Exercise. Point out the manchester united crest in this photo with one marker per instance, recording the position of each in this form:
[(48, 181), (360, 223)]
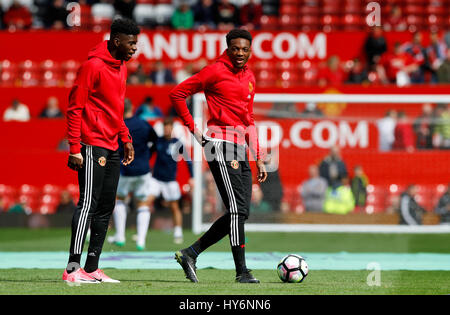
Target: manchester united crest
[(234, 164), (250, 87), (102, 161)]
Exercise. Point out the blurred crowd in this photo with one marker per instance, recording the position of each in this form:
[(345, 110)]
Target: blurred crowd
[(96, 14)]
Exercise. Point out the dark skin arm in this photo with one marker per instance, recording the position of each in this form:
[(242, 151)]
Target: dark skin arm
[(128, 155), (262, 173)]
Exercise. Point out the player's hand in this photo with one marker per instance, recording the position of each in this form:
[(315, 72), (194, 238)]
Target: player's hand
[(75, 161), (128, 151), (262, 173), (199, 137)]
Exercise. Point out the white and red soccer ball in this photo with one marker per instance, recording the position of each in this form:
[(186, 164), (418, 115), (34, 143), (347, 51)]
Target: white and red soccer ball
[(292, 268)]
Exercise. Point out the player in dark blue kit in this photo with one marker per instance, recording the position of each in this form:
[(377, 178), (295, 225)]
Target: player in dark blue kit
[(136, 179), (168, 150)]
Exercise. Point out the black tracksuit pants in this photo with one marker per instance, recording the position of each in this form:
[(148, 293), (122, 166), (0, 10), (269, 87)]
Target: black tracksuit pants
[(230, 167), (97, 180)]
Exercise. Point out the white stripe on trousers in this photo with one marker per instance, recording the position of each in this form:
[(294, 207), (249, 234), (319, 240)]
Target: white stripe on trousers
[(88, 182), (234, 228)]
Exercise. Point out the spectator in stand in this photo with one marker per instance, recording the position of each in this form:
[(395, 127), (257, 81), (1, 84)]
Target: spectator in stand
[(16, 112), (66, 204), (396, 67), (410, 211), (56, 16), (1, 17), (339, 200), (125, 8), (161, 75), (226, 15), (386, 128), (436, 55), (416, 49), (395, 22), (359, 187), (375, 46), (51, 109), (332, 73), (423, 128), (311, 111), (441, 135), (139, 77), (333, 168), (443, 206), (250, 15), (357, 74), (148, 110), (404, 134), (443, 73), (184, 73), (204, 14), (183, 17), (258, 204), (17, 17), (314, 190), (272, 188)]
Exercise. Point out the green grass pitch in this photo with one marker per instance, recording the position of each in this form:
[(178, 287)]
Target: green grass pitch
[(221, 282)]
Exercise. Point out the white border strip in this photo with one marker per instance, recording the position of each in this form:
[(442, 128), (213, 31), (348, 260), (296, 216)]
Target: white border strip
[(344, 228), (354, 98)]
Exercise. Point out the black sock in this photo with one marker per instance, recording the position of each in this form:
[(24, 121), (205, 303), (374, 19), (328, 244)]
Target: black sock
[(91, 262), (216, 232), (239, 258)]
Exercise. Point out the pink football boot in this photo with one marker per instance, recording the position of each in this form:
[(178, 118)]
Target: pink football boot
[(100, 276), (78, 276)]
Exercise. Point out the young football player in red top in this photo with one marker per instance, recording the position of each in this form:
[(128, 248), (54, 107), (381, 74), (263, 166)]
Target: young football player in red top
[(229, 87), (95, 123)]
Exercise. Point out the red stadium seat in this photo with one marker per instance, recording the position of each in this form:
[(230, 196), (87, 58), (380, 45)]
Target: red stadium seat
[(49, 65), (309, 10), (53, 190), (288, 22), (262, 65), (265, 78), (30, 78), (288, 78), (438, 10), (28, 190), (289, 9), (9, 77), (269, 22), (309, 22), (286, 65), (28, 65), (50, 78), (352, 22), (413, 9), (330, 22), (70, 65), (333, 7)]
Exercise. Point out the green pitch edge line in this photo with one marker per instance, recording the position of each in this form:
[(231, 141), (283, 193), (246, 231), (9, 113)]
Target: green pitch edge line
[(224, 260)]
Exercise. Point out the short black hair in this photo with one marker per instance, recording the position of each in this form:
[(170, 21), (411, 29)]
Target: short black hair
[(124, 26), (238, 33)]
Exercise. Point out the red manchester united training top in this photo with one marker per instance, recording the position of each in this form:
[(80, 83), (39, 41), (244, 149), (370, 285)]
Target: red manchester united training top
[(96, 102), (229, 92)]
